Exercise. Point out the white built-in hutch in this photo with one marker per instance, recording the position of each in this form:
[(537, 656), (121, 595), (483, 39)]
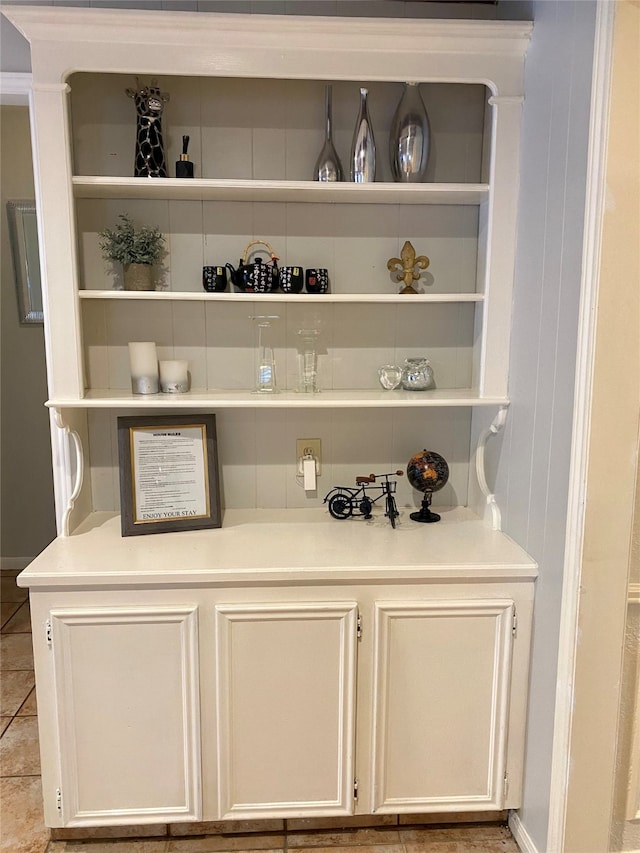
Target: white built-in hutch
[(286, 664)]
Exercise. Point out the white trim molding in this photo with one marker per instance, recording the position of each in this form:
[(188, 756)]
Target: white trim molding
[(78, 479), (594, 212), (522, 837), (492, 515), (15, 88)]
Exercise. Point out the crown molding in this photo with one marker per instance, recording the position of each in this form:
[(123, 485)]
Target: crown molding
[(15, 88)]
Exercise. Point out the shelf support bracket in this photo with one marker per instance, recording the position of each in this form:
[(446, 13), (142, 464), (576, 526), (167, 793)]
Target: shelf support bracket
[(492, 510), (79, 468)]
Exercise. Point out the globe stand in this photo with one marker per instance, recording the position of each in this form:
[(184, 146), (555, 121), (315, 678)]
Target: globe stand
[(425, 515)]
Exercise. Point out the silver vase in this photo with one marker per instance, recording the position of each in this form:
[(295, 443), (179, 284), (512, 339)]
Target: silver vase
[(409, 137), (363, 147), (328, 166)]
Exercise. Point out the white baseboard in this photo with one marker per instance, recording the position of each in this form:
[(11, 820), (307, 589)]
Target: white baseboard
[(522, 837), (14, 563)]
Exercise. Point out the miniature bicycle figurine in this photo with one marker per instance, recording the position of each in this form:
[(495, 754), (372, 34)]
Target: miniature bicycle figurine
[(344, 501)]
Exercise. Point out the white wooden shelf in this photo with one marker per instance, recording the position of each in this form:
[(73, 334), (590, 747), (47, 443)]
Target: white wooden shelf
[(201, 189), (243, 399), (459, 547), (203, 296)]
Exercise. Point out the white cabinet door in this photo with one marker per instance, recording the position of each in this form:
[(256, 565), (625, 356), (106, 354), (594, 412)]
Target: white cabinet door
[(127, 698), (440, 708), (285, 688)]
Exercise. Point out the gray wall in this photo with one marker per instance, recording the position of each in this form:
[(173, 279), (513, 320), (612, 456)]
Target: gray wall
[(533, 467), (27, 521)]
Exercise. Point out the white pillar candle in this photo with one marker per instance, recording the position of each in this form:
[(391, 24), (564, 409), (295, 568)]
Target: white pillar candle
[(174, 376), (143, 361)]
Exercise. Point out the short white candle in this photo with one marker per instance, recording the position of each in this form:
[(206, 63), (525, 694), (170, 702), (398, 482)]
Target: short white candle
[(143, 360), (174, 376)]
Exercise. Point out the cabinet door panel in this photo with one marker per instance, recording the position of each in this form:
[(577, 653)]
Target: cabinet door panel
[(286, 709), (441, 704), (128, 714)]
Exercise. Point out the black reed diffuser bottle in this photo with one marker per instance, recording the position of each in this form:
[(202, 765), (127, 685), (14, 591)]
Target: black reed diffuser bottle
[(184, 166)]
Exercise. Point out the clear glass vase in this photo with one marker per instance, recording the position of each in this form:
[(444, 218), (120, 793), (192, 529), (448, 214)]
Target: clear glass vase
[(266, 362), (309, 361), (410, 137), (363, 146), (328, 166)]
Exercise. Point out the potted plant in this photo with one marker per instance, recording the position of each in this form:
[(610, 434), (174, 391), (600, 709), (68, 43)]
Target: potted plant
[(137, 249)]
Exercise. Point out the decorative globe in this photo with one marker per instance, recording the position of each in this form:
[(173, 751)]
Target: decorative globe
[(427, 472)]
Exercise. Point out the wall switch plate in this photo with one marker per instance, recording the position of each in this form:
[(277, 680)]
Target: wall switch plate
[(312, 444)]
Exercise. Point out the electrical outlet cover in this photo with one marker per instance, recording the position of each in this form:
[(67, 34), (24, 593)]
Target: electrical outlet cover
[(314, 445)]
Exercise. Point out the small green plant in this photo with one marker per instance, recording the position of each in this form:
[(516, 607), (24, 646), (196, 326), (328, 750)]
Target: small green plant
[(129, 245)]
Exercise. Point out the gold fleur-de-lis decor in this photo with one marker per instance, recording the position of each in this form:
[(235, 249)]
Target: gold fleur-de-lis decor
[(406, 264)]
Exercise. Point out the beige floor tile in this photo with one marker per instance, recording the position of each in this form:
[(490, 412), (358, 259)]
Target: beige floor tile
[(224, 844), (56, 847), (140, 845), (29, 708), (7, 609), (14, 689), (23, 827), (473, 832), (20, 622), (362, 848), (226, 827), (348, 838), (4, 723), (19, 754), (10, 591), (146, 830), (16, 652)]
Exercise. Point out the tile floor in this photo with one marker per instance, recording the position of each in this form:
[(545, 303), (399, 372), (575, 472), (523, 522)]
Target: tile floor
[(22, 829)]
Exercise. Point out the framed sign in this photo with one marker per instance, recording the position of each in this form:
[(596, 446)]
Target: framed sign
[(168, 473), (23, 239)]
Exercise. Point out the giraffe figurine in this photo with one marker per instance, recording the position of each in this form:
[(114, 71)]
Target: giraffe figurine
[(150, 160)]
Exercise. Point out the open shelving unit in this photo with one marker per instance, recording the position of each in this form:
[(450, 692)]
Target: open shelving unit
[(255, 119), (388, 665)]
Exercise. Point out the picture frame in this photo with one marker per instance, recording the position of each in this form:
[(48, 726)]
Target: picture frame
[(25, 253), (168, 473)]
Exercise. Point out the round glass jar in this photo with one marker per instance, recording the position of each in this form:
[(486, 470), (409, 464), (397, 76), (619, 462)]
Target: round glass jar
[(417, 375)]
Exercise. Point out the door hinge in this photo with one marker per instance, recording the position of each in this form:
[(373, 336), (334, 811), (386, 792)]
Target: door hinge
[(359, 627), (59, 799), (514, 624), (505, 785), (355, 789), (48, 632)]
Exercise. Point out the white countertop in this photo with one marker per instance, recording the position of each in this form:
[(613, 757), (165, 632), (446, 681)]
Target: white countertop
[(277, 546)]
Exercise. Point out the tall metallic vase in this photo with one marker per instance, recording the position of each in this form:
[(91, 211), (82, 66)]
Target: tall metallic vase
[(328, 166), (410, 137), (363, 147)]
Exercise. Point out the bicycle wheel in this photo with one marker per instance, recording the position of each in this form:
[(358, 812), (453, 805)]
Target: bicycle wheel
[(340, 506), (365, 507), (392, 510)]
